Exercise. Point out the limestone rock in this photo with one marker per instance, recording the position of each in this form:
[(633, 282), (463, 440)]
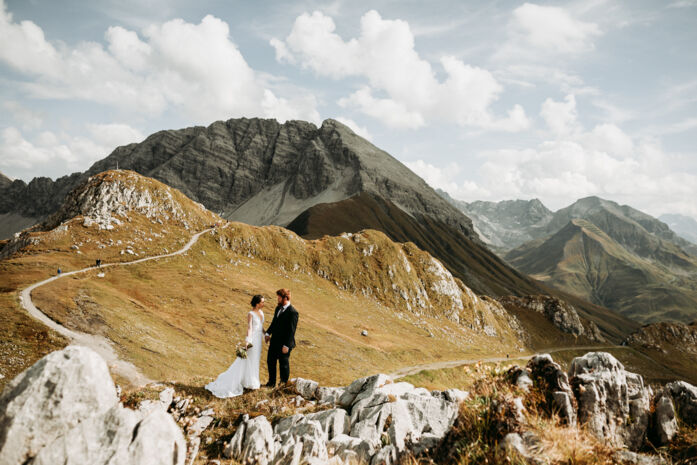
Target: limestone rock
[(612, 402), (555, 384), (50, 398), (306, 388), (685, 399), (665, 424), (330, 395)]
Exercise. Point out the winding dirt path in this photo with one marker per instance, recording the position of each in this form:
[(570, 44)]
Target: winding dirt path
[(99, 344), (402, 372)]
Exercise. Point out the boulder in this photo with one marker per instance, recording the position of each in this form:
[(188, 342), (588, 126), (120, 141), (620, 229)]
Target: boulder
[(64, 409), (554, 383), (333, 422), (50, 398), (329, 395), (385, 456), (362, 388), (685, 400), (348, 448), (665, 425), (256, 442), (613, 403), (306, 388), (625, 457)]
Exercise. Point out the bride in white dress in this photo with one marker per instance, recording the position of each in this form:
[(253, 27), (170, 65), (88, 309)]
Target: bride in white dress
[(244, 372)]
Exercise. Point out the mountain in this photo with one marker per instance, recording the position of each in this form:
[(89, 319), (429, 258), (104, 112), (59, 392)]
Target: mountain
[(626, 269), (684, 226), (507, 224), (640, 233), (257, 171), (4, 180), (176, 316), (262, 172)]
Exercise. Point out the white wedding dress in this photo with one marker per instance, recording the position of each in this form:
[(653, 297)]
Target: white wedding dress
[(244, 372)]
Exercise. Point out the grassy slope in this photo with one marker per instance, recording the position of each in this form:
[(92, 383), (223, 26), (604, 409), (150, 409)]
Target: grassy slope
[(179, 317), (478, 267), (584, 261)]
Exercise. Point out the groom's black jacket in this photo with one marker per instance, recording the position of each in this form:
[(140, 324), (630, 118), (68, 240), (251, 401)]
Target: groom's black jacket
[(282, 328)]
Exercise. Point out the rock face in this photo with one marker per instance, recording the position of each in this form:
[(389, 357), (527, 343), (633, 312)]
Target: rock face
[(64, 409), (560, 313), (374, 421), (612, 402), (256, 171), (505, 225), (544, 371)]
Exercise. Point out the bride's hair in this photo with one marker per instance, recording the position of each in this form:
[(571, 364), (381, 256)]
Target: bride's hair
[(256, 299)]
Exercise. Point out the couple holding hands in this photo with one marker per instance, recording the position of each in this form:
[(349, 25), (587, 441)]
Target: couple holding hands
[(244, 372)]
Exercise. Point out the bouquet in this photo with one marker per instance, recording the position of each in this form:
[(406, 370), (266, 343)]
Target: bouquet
[(242, 349)]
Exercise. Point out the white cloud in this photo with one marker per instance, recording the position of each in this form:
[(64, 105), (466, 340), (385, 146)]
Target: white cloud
[(359, 130), (29, 119), (539, 32), (561, 117), (402, 89), (604, 161), (194, 68), (51, 152)]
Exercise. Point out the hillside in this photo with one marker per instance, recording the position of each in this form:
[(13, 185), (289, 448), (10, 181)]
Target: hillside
[(179, 317), (477, 266), (672, 344), (653, 281)]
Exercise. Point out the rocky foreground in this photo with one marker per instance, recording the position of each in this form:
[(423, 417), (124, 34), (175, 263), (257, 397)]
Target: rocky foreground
[(65, 409)]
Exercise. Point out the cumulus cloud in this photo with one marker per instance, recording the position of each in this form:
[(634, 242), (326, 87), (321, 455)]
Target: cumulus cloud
[(402, 89), (52, 152), (538, 32), (603, 161), (194, 68)]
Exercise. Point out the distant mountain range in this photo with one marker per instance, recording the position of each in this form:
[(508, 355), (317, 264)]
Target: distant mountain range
[(612, 255), (316, 181), (684, 226)]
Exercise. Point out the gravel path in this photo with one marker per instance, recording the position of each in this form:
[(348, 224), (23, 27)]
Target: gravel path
[(99, 344)]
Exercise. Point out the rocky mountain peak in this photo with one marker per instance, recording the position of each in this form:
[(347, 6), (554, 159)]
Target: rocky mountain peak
[(104, 200)]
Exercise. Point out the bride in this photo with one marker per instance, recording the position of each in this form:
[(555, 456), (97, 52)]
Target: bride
[(244, 372)]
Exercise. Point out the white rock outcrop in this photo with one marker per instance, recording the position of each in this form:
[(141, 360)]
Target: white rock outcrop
[(64, 409)]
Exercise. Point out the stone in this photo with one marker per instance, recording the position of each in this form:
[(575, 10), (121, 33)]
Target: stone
[(199, 425), (258, 443), (362, 388), (166, 397), (364, 333), (385, 456), (613, 403), (333, 422), (329, 395), (554, 383), (50, 398), (347, 447), (192, 449), (158, 440), (234, 447), (306, 388), (456, 395), (665, 424), (685, 400)]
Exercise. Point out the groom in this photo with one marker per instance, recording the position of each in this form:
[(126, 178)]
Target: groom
[(281, 332)]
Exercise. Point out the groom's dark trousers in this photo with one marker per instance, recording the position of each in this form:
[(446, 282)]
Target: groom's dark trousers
[(282, 332)]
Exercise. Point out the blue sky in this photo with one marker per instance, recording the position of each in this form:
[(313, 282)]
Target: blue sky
[(487, 100)]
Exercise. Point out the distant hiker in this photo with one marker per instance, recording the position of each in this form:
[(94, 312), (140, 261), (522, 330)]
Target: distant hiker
[(281, 333), (244, 371), (99, 263), (59, 271)]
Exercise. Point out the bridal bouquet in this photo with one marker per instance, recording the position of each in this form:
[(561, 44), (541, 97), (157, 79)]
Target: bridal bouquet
[(242, 349)]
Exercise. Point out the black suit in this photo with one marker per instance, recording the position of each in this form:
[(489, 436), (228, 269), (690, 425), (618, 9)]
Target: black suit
[(282, 331)]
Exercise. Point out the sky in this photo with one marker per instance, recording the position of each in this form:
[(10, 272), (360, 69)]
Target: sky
[(487, 100)]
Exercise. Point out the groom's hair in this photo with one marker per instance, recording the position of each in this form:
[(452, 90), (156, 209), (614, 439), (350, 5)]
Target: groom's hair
[(283, 293)]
